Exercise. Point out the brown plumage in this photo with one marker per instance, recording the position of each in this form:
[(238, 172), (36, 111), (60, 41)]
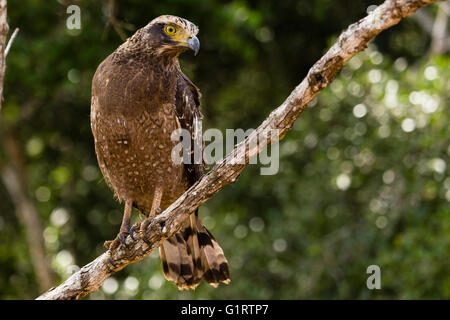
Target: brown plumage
[(139, 97)]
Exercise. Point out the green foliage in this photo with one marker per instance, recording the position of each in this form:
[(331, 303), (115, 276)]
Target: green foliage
[(363, 179)]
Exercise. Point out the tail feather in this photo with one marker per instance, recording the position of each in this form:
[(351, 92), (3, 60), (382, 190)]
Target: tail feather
[(213, 260), (193, 254), (191, 235), (178, 266)]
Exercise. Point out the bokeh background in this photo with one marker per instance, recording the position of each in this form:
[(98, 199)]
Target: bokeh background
[(364, 174)]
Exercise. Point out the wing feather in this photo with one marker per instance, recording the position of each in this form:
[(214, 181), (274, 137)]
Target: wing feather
[(188, 112)]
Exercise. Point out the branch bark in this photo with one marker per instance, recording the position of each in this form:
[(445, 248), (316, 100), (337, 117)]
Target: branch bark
[(353, 40), (4, 28)]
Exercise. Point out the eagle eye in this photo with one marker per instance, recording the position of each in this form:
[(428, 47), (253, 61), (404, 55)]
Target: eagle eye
[(170, 30)]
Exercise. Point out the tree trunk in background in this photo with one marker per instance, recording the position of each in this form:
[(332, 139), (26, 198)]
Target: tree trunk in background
[(436, 27), (13, 176), (3, 33)]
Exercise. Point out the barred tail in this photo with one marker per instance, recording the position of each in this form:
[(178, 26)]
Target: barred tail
[(193, 254)]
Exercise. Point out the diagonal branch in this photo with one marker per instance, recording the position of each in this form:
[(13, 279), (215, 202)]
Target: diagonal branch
[(4, 28), (11, 40), (351, 41)]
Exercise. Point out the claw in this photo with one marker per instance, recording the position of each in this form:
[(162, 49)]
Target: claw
[(111, 245), (122, 238), (133, 229), (145, 240), (107, 244), (143, 227), (110, 260)]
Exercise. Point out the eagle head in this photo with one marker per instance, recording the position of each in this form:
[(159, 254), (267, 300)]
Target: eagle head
[(170, 35)]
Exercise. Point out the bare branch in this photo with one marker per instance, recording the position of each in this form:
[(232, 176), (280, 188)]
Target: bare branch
[(11, 40), (353, 40), (4, 28)]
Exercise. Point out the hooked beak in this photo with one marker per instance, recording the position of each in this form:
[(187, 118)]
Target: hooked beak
[(194, 44)]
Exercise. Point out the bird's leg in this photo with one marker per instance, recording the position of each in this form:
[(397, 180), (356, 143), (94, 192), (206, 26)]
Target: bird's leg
[(124, 228), (156, 202), (155, 205)]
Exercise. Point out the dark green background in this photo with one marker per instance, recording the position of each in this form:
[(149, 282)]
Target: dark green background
[(351, 192)]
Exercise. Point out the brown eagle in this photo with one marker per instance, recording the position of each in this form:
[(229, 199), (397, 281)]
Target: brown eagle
[(139, 97)]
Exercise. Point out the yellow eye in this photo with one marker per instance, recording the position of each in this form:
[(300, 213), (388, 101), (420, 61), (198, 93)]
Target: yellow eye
[(170, 30)]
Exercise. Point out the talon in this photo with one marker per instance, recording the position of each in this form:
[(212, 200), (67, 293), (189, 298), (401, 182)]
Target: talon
[(110, 260), (107, 244), (122, 238), (145, 240), (111, 245), (143, 237), (134, 229)]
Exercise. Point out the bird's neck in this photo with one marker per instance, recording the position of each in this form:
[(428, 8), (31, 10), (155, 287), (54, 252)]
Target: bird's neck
[(131, 51)]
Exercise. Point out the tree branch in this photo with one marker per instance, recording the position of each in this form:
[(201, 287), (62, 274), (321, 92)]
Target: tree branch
[(4, 28), (11, 40), (353, 40)]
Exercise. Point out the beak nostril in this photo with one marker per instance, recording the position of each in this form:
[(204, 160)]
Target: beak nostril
[(194, 44)]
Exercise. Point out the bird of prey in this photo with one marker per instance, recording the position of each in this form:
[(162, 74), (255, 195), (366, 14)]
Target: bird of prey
[(139, 97)]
